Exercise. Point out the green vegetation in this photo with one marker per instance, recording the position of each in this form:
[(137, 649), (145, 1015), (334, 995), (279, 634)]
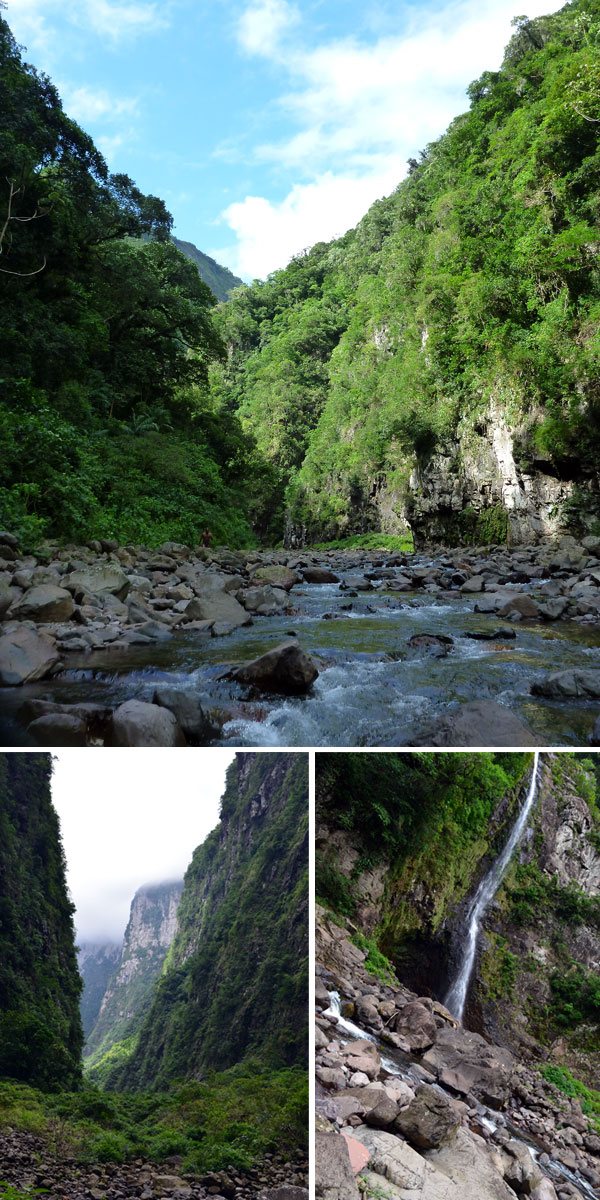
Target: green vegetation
[(402, 544), (220, 280), (473, 288), (427, 816), (532, 894), (566, 1083), (375, 962), (40, 1024), (107, 428), (231, 1119), (242, 938), (575, 996), (498, 968)]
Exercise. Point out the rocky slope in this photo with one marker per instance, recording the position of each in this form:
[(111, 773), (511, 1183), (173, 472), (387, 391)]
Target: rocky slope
[(426, 1107), (97, 963), (234, 983), (150, 931)]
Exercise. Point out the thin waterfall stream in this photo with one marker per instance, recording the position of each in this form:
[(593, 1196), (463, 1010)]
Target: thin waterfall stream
[(457, 995)]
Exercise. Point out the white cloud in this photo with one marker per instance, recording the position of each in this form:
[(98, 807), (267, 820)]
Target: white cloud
[(132, 820), (360, 109), (262, 25), (92, 104), (113, 20)]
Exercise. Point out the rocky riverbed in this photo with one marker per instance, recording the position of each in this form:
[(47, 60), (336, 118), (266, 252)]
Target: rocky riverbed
[(30, 1163), (127, 646), (410, 1103)]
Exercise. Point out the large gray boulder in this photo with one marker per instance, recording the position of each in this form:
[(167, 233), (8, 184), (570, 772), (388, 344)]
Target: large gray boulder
[(59, 729), (429, 1120), (197, 724), (417, 1025), (26, 655), (286, 669), (101, 579), (479, 723), (46, 602), (319, 575), (136, 723), (467, 1162), (266, 601), (579, 684), (464, 1062), (217, 606), (334, 1177), (279, 577)]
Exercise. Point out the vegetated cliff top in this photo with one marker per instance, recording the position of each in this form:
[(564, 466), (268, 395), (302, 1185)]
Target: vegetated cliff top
[(472, 288), (220, 280)]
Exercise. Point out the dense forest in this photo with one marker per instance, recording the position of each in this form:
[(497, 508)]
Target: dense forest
[(446, 348), (464, 302), (210, 1063), (40, 1025)]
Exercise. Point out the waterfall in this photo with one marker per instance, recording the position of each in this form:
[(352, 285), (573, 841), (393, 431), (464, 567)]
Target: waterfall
[(457, 995)]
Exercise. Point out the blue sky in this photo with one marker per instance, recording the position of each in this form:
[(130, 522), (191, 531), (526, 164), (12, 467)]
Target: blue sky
[(265, 125)]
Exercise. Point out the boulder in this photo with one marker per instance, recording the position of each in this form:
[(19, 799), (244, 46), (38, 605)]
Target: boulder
[(397, 1171), (436, 644), (59, 729), (466, 1063), (266, 601), (479, 723), (429, 1120), (544, 1191), (279, 577), (583, 684), (287, 1192), (286, 669), (101, 579), (217, 606), (197, 724), (319, 575), (43, 603), (334, 1176), (136, 723), (8, 595), (417, 1024), (26, 655), (469, 1165), (520, 1171), (520, 605)]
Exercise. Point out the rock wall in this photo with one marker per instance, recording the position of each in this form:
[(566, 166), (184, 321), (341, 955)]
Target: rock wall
[(97, 963), (477, 490)]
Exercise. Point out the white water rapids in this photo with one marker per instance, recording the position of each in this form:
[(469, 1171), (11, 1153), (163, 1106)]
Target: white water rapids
[(457, 995)]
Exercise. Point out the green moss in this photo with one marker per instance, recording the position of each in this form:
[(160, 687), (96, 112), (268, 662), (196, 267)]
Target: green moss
[(391, 543), (499, 968), (376, 963), (566, 1083)]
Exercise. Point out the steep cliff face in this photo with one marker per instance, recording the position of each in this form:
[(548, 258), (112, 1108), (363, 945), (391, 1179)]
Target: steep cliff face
[(97, 963), (538, 979), (235, 979), (150, 931), (40, 1026)]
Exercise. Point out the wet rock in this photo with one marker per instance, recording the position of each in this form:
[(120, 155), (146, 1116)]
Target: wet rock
[(479, 723), (26, 655), (475, 584), (436, 644), (286, 669), (573, 683), (429, 1120), (138, 724), (491, 635), (520, 1171), (43, 603), (464, 1062), (319, 575), (199, 726), (383, 1114)]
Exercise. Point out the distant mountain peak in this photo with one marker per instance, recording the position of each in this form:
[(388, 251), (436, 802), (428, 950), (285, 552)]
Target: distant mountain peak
[(220, 280)]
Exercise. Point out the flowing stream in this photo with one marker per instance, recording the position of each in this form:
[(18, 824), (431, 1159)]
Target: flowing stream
[(457, 994), (555, 1170), (374, 687)]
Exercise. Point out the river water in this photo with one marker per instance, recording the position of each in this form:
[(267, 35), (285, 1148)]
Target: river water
[(373, 689)]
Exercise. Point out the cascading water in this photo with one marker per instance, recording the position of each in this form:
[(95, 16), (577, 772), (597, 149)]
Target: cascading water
[(457, 995)]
